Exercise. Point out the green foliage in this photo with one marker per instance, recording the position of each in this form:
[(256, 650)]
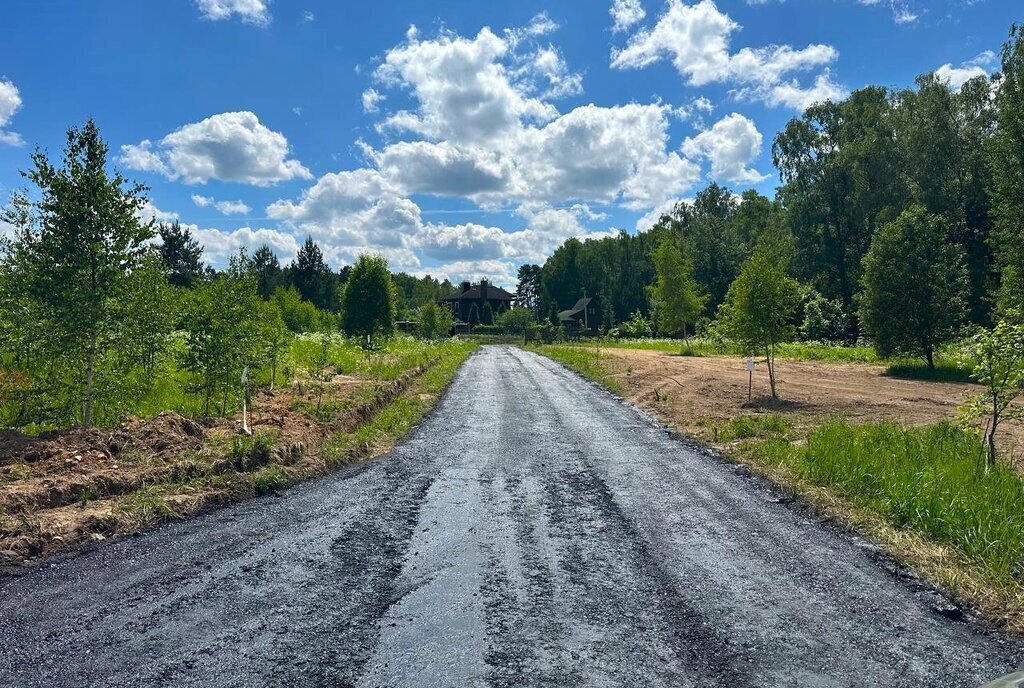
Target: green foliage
[(181, 254), (1007, 160), (473, 317), (313, 278), (277, 338), (530, 289), (515, 320), (585, 361), (150, 312), (298, 315), (413, 293), (758, 311), (75, 249), (825, 320), (435, 322), (931, 480), (223, 323), (676, 295), (913, 287), (997, 356), (636, 327), (267, 270), (368, 301), (487, 314)]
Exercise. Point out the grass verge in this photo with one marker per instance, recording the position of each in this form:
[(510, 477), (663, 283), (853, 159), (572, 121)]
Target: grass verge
[(920, 492)]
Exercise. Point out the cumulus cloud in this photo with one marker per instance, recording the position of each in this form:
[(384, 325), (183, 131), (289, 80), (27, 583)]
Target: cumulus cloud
[(372, 100), (10, 103), (223, 207), (626, 13), (977, 66), (249, 11), (231, 146), (696, 40), (731, 145)]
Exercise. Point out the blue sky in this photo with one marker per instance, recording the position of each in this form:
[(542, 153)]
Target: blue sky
[(478, 140)]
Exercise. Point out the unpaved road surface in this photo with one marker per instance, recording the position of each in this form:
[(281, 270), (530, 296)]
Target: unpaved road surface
[(533, 531)]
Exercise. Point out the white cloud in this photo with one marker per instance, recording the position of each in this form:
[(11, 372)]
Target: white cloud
[(956, 77), (371, 100), (463, 88), (219, 245), (10, 103), (731, 145), (232, 146), (626, 13), (224, 207), (793, 95), (902, 12), (696, 39), (249, 11), (308, 16)]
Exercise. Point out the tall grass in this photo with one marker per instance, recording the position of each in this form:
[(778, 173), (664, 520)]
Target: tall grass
[(929, 479)]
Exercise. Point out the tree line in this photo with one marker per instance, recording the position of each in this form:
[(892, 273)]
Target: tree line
[(900, 218)]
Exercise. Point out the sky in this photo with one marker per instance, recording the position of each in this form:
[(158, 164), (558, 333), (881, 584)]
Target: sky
[(458, 139)]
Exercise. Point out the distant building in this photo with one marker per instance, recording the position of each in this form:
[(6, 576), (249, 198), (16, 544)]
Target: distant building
[(583, 318), (468, 295)]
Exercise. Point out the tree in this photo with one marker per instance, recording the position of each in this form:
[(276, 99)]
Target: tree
[(529, 289), (313, 278), (473, 317), (76, 247), (487, 314), (150, 314), (913, 287), (997, 357), (276, 337), (368, 301), (298, 315), (267, 270), (1007, 162), (825, 320), (435, 321), (222, 324), (516, 320), (758, 310), (675, 293), (181, 254)]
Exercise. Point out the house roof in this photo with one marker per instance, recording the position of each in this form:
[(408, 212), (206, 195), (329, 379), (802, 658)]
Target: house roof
[(473, 294), (576, 310)]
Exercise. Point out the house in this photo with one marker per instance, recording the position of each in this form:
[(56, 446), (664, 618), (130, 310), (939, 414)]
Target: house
[(469, 295), (583, 318)]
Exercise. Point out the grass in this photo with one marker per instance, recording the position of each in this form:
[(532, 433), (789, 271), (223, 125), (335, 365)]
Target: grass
[(930, 480), (942, 372), (586, 361), (799, 351)]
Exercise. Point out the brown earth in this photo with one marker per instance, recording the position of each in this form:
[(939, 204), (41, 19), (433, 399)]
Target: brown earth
[(696, 394), (68, 487)]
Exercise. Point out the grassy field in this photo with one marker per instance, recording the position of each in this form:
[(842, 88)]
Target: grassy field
[(921, 492)]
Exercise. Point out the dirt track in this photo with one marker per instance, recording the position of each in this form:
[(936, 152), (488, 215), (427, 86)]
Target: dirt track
[(693, 391), (533, 531)]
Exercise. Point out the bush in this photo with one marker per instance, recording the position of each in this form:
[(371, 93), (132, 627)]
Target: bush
[(488, 329), (634, 328), (516, 320), (825, 321), (434, 321)]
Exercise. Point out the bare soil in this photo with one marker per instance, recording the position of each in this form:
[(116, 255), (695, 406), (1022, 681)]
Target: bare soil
[(697, 393), (68, 487)]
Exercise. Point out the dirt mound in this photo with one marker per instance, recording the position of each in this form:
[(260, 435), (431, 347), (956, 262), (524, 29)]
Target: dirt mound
[(164, 435)]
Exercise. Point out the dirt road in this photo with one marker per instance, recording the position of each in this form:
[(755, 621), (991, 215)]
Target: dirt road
[(532, 532)]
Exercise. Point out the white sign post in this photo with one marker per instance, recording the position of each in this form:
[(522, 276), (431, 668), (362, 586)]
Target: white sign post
[(245, 400), (750, 377)]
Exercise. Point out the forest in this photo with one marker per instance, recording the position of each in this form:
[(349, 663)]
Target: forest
[(899, 215)]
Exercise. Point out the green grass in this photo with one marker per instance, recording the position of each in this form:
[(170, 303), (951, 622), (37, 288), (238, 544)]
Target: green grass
[(930, 480), (944, 371), (398, 418), (767, 426), (586, 361), (800, 351)]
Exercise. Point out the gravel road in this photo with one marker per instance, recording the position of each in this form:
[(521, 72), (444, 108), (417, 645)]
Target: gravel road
[(533, 531)]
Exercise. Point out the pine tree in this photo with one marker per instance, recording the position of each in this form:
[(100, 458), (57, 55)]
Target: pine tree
[(181, 254)]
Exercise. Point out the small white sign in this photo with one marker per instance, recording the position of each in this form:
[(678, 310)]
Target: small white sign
[(750, 365), (245, 375)]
